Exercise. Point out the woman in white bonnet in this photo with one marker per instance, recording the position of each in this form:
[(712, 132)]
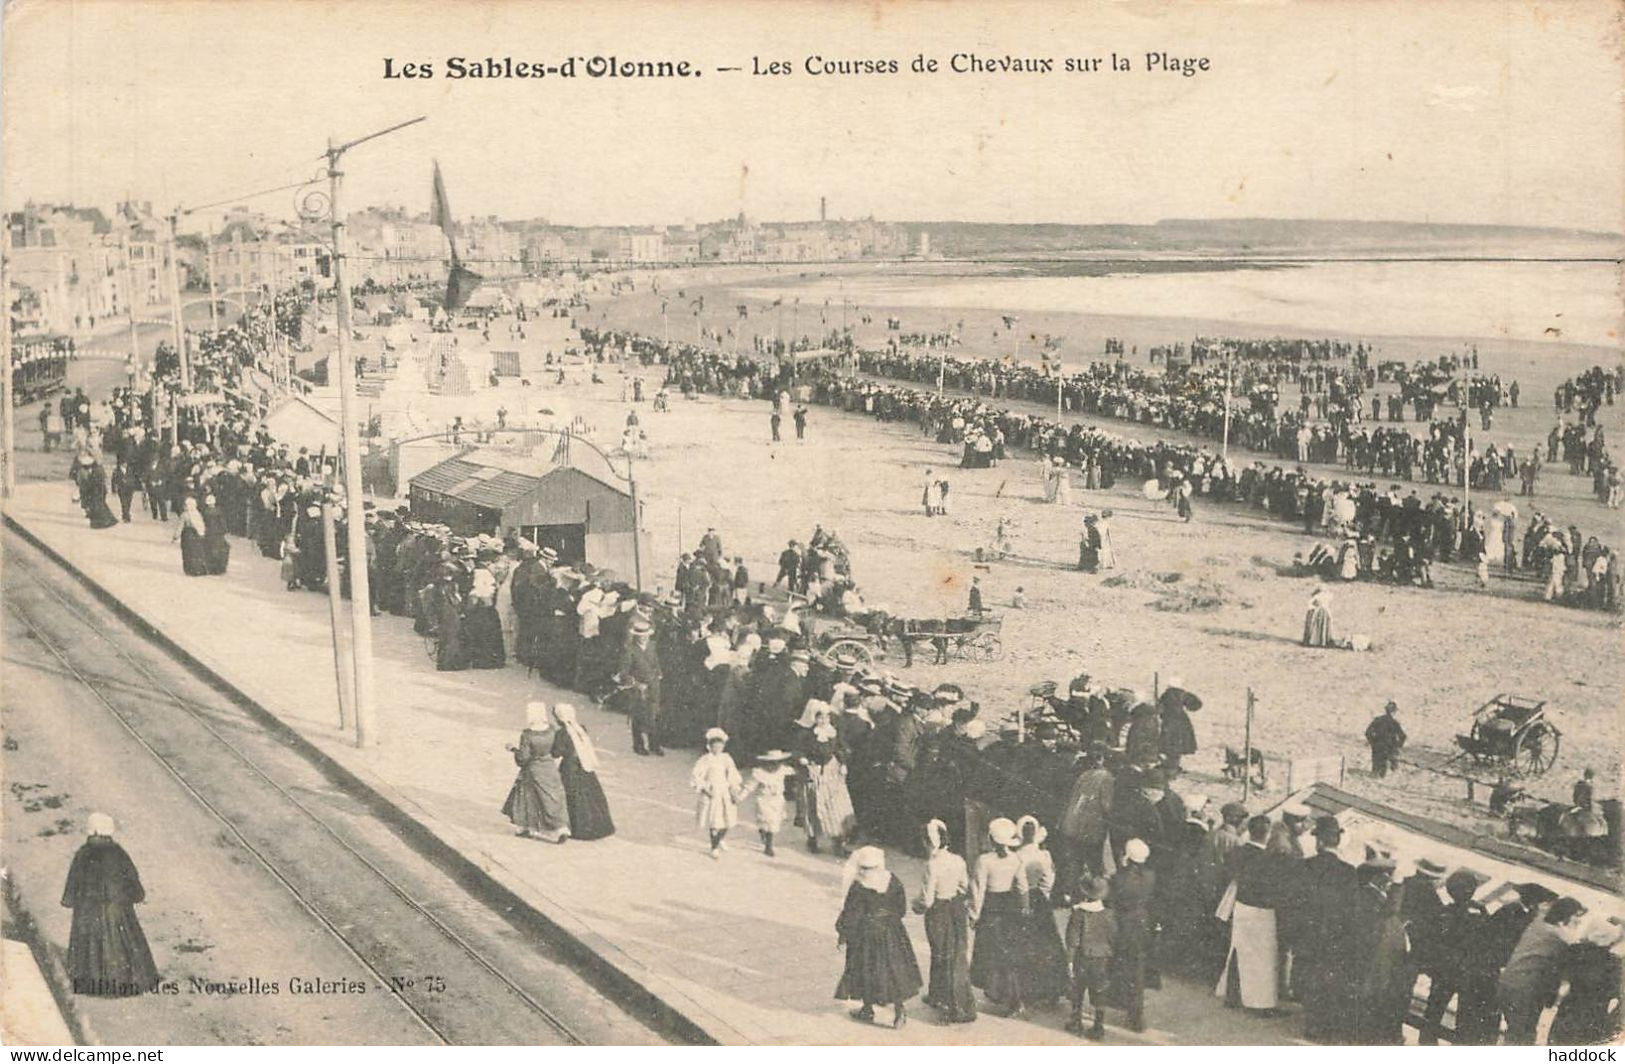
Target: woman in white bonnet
[(108, 954), (578, 768), (536, 804), (880, 966)]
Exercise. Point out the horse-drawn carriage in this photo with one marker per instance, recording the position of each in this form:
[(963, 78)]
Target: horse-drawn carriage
[(1511, 734), (974, 637)]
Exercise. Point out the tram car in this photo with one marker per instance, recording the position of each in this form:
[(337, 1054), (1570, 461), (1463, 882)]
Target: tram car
[(39, 367)]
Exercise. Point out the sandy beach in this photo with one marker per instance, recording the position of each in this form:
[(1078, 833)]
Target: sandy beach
[(1211, 602)]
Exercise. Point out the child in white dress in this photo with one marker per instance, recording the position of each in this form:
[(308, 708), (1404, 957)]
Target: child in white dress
[(717, 781), (767, 782)]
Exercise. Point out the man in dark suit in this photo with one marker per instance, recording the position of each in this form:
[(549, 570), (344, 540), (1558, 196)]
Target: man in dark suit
[(1326, 893), (1463, 968), (640, 666)]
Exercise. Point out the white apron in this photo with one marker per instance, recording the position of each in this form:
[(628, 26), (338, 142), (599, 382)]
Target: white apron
[(1252, 945)]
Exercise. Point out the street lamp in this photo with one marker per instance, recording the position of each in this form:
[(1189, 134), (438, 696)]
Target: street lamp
[(366, 730)]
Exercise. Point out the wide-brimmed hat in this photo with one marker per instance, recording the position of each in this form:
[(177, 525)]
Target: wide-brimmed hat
[(1001, 831), (774, 755), (1430, 869), (548, 553), (715, 735)]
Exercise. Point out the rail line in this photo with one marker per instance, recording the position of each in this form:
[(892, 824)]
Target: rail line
[(99, 688)]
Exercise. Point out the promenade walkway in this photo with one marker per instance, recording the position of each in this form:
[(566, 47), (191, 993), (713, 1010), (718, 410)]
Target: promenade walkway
[(744, 946)]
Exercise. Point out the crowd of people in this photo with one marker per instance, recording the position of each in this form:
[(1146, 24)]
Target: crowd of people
[(1077, 818)]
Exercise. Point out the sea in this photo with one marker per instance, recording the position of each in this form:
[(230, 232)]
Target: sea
[(1521, 301)]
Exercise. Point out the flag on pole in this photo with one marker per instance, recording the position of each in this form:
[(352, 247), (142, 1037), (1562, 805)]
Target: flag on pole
[(460, 281)]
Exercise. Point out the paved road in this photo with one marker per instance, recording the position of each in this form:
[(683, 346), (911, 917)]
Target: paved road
[(256, 865)]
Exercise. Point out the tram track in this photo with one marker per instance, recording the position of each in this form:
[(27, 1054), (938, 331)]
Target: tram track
[(455, 965)]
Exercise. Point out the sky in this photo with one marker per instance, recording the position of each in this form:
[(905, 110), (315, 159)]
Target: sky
[(1473, 111)]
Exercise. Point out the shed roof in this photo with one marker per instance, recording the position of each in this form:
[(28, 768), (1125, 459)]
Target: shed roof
[(482, 485), (492, 478)]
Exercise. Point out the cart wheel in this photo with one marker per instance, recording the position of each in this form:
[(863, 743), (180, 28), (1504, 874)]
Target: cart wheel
[(1536, 751), (851, 646), (992, 648)]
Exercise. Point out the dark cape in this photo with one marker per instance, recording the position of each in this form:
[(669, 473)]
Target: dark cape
[(108, 955), (880, 965)]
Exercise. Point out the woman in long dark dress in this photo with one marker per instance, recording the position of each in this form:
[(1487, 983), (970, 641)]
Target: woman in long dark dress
[(943, 900), (191, 531), (880, 965), (446, 606), (91, 480), (312, 556), (536, 804), (999, 909), (482, 625), (108, 954), (216, 547), (578, 767), (1046, 974)]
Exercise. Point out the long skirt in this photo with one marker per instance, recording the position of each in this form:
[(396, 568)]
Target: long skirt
[(947, 930), (831, 804), (451, 652), (880, 966), (193, 562), (584, 798), (1317, 627), (536, 801), (1252, 958), (216, 553), (1046, 978), (96, 509), (108, 954), (997, 962), (482, 628)]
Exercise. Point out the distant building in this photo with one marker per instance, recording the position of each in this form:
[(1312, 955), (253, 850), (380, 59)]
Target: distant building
[(72, 269), (391, 247), (641, 245), (253, 254)]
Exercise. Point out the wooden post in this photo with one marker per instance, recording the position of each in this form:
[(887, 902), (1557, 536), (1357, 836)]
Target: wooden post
[(341, 659), (1247, 752)]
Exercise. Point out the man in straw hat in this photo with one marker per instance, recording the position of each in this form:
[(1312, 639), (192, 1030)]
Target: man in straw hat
[(641, 666)]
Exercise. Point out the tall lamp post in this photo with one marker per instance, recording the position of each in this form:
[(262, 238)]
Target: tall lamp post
[(366, 723)]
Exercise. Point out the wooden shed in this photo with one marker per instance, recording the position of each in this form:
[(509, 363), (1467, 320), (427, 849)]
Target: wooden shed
[(585, 516)]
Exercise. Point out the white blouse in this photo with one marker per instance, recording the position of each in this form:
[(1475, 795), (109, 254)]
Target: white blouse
[(1039, 867), (997, 874), (945, 878)]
